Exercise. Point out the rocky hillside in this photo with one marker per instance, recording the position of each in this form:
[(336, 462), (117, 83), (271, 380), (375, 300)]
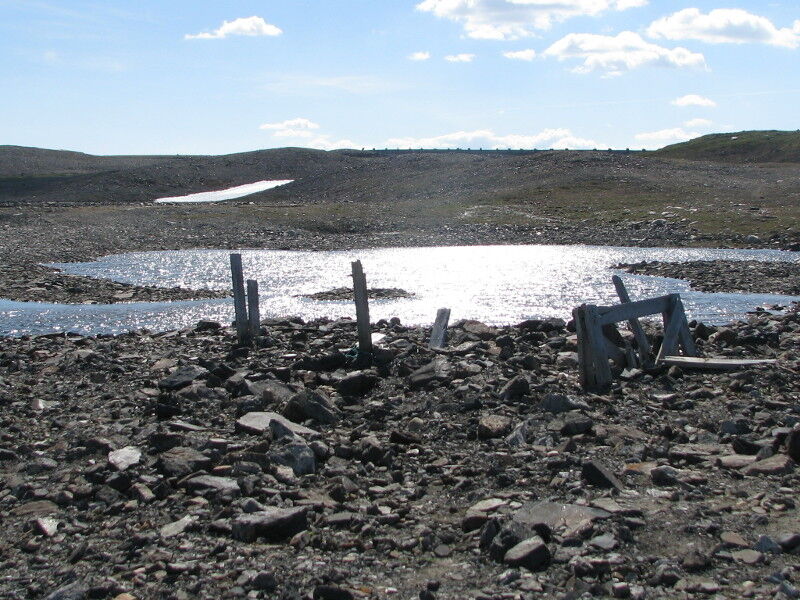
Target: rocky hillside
[(741, 146)]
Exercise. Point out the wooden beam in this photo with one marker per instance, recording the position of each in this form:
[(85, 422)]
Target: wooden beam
[(638, 333), (717, 364), (253, 313), (634, 310), (439, 331), (673, 319), (362, 308), (239, 302)]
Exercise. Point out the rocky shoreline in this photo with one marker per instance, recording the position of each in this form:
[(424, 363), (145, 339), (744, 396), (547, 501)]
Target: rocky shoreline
[(750, 277), (177, 465)]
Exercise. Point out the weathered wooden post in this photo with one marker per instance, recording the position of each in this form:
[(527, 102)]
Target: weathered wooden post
[(439, 331), (253, 313), (362, 309), (595, 372), (638, 333), (239, 301)]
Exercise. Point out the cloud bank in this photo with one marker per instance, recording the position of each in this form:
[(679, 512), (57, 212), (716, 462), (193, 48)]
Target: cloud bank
[(514, 19), (615, 54), (694, 100), (486, 138), (724, 26)]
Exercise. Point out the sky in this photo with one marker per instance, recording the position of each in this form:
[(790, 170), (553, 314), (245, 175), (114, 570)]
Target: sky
[(211, 77)]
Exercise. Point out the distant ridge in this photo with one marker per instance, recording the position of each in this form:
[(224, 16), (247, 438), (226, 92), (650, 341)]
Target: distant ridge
[(741, 146)]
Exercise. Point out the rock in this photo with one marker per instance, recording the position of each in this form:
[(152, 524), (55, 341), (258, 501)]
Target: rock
[(789, 541), (264, 581), (767, 545), (310, 404), (576, 425), (735, 461), (780, 464), (74, 591), (555, 515), (560, 403), (793, 444), (479, 329), (596, 473), (125, 457), (493, 426), (176, 528), (180, 461), (297, 456), (605, 542), (731, 538), (516, 388), (46, 526), (694, 561), (331, 592), (357, 383), (182, 377), (438, 370), (270, 391), (273, 524), (750, 557), (221, 485), (37, 507), (257, 423), (531, 553)]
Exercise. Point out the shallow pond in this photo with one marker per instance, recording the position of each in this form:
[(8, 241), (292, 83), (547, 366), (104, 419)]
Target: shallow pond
[(494, 284)]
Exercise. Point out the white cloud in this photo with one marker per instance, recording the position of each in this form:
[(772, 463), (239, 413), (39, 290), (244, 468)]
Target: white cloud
[(623, 52), (324, 142), (459, 58), (354, 84), (419, 56), (698, 123), (656, 139), (291, 128), (521, 54), (724, 25), (694, 100), (250, 26), (513, 19), (486, 138)]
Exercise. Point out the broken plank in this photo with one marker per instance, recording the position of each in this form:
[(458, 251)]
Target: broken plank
[(713, 363)]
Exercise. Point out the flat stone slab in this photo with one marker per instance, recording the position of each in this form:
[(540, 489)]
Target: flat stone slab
[(272, 524), (257, 423), (125, 457), (780, 464), (224, 485), (556, 515), (531, 553)]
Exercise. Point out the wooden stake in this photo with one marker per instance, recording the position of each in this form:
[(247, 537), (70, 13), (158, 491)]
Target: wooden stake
[(439, 331), (362, 308), (638, 333), (253, 313), (239, 302)]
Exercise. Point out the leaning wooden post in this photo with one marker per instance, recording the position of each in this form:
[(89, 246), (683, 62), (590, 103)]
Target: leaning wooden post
[(362, 309), (439, 331), (253, 313), (239, 302), (638, 333)]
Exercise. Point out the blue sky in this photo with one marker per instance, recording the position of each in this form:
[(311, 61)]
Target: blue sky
[(210, 77)]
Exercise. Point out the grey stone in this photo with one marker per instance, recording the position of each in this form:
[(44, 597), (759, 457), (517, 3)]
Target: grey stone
[(560, 403), (596, 473), (125, 457), (576, 424), (780, 464), (297, 456), (438, 370), (182, 377), (357, 383), (310, 404), (176, 528), (74, 591), (516, 388), (493, 426), (531, 553), (180, 461), (259, 422), (272, 524), (221, 485)]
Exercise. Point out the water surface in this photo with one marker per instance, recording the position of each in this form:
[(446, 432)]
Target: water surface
[(495, 284)]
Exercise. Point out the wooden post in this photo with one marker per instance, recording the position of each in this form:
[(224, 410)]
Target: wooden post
[(595, 374), (239, 302), (362, 308), (253, 313), (439, 331), (638, 333)]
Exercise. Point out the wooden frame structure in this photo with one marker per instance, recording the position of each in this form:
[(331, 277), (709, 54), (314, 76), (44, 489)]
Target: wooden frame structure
[(593, 325)]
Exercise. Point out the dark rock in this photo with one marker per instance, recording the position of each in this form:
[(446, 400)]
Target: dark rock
[(332, 592), (74, 591), (357, 383), (493, 426), (531, 553), (264, 581), (259, 422), (438, 370), (310, 404), (180, 461), (576, 424), (516, 388), (272, 524), (298, 456), (596, 473), (221, 485), (182, 377)]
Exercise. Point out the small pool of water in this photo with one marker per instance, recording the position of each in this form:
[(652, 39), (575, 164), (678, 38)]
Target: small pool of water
[(495, 284), (228, 194)]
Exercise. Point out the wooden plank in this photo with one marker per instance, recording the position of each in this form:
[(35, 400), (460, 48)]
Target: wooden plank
[(601, 379), (638, 333), (684, 334), (717, 364), (672, 326), (253, 313), (585, 363), (362, 308), (634, 310), (239, 302), (439, 331)]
